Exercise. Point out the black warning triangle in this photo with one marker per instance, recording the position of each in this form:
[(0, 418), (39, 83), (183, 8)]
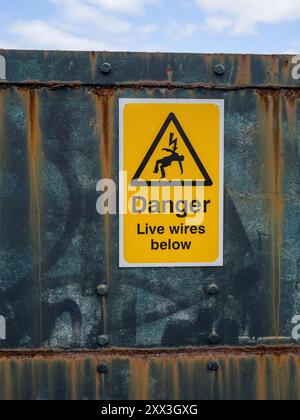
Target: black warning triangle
[(136, 180)]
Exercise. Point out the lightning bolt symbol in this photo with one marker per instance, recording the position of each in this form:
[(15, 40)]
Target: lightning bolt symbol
[(173, 142)]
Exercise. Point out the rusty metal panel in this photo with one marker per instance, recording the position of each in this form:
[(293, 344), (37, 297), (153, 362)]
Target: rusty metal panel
[(171, 307), (51, 238), (56, 145), (235, 375), (85, 68), (58, 137)]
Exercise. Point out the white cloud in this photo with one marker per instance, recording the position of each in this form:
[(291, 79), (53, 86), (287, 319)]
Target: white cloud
[(84, 25), (147, 29), (40, 34), (218, 24), (181, 30), (123, 6), (243, 16), (294, 49), (78, 11), (5, 45)]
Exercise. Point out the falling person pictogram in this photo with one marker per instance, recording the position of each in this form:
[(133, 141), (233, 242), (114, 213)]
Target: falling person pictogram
[(167, 161), (174, 156)]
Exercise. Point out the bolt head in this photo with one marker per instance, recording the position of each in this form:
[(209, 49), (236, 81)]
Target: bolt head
[(103, 340), (220, 70), (102, 368), (213, 366), (102, 289), (214, 338), (212, 289), (106, 68)]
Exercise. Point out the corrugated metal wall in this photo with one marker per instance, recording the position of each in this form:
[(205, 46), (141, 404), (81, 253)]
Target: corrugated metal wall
[(58, 137)]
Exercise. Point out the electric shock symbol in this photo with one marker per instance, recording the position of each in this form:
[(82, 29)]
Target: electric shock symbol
[(167, 161), (172, 158)]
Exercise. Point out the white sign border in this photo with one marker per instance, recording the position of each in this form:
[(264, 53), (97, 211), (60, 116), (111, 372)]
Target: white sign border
[(122, 103)]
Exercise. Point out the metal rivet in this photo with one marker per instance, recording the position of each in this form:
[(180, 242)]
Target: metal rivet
[(102, 289), (213, 366), (212, 289), (102, 368), (106, 68), (214, 338), (103, 340), (220, 70)]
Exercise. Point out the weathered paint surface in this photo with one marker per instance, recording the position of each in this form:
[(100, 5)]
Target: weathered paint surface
[(58, 137), (260, 375)]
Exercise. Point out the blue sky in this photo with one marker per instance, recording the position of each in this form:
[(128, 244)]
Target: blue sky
[(238, 26)]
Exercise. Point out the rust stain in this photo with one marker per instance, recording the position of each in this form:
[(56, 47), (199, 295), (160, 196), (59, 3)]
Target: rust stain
[(188, 370), (220, 378), (176, 377), (139, 379), (46, 55), (237, 370), (272, 67), (188, 352), (104, 126), (7, 379), (93, 60), (291, 111), (150, 84), (33, 372), (210, 64), (270, 114), (278, 206), (35, 163), (287, 69), (96, 379), (228, 379), (73, 379), (244, 71), (170, 73), (173, 369), (285, 374), (50, 377), (275, 366), (261, 393), (296, 364)]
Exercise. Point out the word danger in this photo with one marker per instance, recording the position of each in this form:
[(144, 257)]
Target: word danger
[(173, 230), (181, 208)]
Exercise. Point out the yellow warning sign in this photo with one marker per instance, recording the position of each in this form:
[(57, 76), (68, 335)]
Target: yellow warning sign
[(171, 182)]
